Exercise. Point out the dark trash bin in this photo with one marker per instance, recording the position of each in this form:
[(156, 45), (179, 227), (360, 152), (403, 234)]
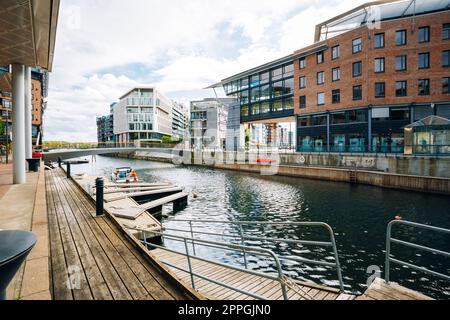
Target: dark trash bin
[(33, 164), (14, 248)]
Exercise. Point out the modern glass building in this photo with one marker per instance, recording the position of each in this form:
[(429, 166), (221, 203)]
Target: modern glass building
[(266, 98), (142, 115)]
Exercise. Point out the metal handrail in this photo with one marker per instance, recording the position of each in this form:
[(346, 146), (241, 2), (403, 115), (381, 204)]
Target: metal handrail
[(390, 240), (227, 246), (243, 238)]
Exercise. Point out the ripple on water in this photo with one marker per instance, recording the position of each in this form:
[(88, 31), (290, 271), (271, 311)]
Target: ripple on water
[(358, 214)]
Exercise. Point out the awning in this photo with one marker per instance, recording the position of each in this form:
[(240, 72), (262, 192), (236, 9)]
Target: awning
[(28, 32), (429, 122)]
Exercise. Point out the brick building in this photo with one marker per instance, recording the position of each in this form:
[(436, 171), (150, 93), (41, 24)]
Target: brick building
[(371, 72)]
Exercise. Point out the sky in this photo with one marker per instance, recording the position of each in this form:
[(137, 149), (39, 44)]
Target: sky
[(106, 47)]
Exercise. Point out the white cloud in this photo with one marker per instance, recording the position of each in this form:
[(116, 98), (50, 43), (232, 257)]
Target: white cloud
[(187, 44)]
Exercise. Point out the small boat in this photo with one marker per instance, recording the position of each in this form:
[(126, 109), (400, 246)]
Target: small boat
[(124, 175)]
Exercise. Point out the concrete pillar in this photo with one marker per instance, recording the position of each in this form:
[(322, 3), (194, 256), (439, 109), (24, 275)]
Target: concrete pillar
[(18, 118), (28, 113)]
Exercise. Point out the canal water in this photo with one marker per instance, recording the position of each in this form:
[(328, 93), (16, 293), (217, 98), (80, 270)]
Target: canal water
[(358, 214)]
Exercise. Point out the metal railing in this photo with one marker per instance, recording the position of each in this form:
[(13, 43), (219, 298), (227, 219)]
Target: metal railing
[(187, 241), (390, 240), (194, 241)]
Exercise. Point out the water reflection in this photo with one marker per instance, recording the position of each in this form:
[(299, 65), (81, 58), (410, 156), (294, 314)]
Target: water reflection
[(358, 214)]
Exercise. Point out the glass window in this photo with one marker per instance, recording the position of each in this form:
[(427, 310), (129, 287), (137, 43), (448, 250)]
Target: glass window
[(446, 31), (338, 142), (357, 69), (424, 34), (277, 89), (336, 72), (357, 116), (338, 118), (401, 38), (277, 74), (278, 105), (380, 90), (320, 99), (289, 70), (379, 65), (255, 94), (265, 92), (302, 63), (244, 97), (401, 88), (255, 109), (320, 77), (446, 58), (357, 93), (319, 120), (400, 63), (244, 111), (445, 85), (335, 52), (288, 104), (289, 86), (320, 57), (357, 45), (265, 77), (424, 60), (302, 102), (302, 82), (244, 84), (379, 40), (304, 122), (336, 96), (254, 81), (400, 114), (424, 87), (265, 107)]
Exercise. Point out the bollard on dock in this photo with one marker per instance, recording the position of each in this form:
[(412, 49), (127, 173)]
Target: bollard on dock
[(68, 170), (99, 186)]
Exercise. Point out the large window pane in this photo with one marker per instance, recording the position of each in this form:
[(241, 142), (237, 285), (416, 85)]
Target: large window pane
[(289, 86), (357, 45), (255, 94), (265, 92), (424, 60), (277, 74), (401, 38)]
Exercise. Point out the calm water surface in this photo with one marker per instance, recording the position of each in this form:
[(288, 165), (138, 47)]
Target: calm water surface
[(358, 214)]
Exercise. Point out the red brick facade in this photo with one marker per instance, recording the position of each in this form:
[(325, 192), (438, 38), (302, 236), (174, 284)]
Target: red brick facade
[(435, 73)]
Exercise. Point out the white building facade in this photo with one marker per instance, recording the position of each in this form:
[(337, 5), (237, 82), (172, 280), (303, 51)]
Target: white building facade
[(208, 123), (142, 115), (180, 121)]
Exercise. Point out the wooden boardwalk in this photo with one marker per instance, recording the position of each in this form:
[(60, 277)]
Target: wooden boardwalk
[(267, 288), (380, 290), (100, 260)]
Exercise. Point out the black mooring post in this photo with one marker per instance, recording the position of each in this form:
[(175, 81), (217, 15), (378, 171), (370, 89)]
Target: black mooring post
[(59, 162), (68, 170), (99, 186)]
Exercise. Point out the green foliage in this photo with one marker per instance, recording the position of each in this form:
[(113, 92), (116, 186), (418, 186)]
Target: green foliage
[(167, 139)]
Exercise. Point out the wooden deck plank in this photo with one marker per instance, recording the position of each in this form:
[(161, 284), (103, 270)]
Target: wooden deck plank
[(70, 249), (111, 266), (58, 267), (154, 282), (129, 279), (109, 274), (99, 288), (380, 290)]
